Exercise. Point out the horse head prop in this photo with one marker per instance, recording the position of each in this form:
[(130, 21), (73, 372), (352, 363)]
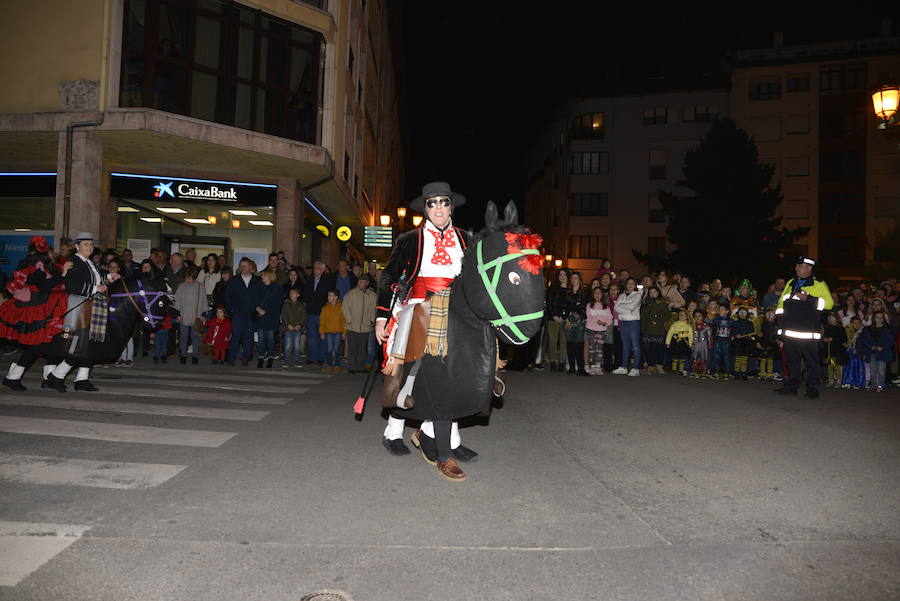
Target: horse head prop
[(501, 277)]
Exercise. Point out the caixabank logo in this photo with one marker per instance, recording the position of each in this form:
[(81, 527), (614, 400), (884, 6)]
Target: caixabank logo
[(162, 189), (194, 192)]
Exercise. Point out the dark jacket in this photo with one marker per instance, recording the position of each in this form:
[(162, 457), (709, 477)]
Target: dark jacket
[(219, 293), (882, 337), (174, 278), (654, 315), (403, 268), (242, 300), (314, 296), (556, 301), (80, 280), (270, 302)]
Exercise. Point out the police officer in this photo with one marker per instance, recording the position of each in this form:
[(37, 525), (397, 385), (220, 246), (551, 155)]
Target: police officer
[(799, 315)]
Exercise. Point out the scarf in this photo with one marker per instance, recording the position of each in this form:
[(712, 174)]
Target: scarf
[(99, 318), (436, 341)]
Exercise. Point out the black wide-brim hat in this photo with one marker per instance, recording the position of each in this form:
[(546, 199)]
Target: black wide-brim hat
[(433, 189)]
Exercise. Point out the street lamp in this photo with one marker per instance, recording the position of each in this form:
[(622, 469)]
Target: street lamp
[(558, 263), (885, 100), (401, 212), (416, 219), (385, 219), (548, 258)]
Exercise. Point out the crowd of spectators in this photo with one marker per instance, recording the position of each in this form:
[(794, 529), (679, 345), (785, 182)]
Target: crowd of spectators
[(666, 323), (280, 312)]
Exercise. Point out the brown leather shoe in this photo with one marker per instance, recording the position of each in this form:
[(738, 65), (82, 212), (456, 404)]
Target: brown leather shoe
[(450, 470)]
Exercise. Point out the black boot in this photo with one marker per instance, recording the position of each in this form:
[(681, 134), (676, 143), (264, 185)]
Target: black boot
[(85, 386), (195, 360), (259, 363), (553, 367), (14, 384), (184, 360), (57, 384), (155, 360), (269, 362)]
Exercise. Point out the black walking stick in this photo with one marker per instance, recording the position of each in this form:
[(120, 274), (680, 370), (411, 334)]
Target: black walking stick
[(368, 385)]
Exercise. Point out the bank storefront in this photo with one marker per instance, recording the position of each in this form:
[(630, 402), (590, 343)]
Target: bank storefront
[(211, 216)]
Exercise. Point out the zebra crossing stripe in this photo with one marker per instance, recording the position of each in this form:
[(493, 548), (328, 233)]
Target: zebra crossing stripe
[(267, 375), (26, 546), (168, 383), (59, 471), (113, 432), (187, 395), (80, 404)]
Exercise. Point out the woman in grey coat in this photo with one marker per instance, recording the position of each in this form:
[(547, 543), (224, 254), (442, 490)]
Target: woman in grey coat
[(190, 301)]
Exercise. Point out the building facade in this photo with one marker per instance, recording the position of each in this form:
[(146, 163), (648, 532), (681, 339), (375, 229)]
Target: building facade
[(232, 127), (810, 110), (596, 173)]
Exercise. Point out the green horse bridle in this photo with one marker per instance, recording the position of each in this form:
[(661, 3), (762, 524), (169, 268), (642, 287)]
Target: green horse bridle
[(490, 285)]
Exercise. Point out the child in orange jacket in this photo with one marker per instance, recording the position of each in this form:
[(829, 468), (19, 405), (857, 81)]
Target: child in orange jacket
[(218, 335), (332, 329)]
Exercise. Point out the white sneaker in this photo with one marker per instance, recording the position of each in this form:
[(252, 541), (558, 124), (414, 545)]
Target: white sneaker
[(620, 371), (634, 372)]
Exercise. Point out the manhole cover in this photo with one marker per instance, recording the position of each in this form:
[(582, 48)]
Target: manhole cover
[(326, 596)]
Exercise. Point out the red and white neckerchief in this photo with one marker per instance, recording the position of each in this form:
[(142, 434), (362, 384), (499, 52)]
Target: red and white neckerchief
[(442, 252)]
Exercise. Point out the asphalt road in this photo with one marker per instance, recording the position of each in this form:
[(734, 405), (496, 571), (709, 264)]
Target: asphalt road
[(222, 484)]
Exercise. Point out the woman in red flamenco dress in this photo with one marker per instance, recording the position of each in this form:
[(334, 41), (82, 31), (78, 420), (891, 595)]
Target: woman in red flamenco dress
[(34, 314)]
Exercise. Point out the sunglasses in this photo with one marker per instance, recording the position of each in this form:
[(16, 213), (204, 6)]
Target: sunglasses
[(433, 202)]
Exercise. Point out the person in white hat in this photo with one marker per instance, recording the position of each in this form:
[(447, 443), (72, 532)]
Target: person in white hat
[(82, 282)]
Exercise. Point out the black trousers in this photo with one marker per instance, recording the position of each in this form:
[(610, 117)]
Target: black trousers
[(807, 351), (576, 355)]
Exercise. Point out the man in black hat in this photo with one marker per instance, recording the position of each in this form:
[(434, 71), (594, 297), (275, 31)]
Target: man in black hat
[(82, 282), (799, 315), (424, 261)]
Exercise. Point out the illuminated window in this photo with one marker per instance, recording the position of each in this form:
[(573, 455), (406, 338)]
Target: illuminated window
[(588, 126)]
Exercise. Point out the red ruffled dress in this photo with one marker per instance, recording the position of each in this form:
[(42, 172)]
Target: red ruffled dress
[(34, 315)]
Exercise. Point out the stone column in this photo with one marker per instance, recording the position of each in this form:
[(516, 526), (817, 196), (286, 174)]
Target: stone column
[(289, 220), (89, 208)]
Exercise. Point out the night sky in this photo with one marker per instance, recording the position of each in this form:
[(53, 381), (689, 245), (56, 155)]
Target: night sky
[(481, 78)]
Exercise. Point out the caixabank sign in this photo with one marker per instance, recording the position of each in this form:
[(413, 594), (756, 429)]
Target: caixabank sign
[(158, 187)]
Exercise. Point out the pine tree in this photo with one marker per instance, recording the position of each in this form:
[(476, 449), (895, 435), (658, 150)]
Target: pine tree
[(727, 226)]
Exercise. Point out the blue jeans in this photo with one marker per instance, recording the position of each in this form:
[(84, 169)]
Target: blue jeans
[(720, 352), (291, 347), (265, 346), (333, 346), (316, 350), (241, 334), (631, 341), (161, 344)]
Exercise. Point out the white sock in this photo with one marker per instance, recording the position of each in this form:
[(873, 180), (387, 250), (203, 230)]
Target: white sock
[(61, 370), (47, 369), (15, 372), (405, 392), (428, 428), (83, 374), (455, 440), (394, 430)]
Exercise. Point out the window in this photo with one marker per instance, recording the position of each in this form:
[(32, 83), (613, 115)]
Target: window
[(796, 124), (587, 127), (588, 247), (590, 163), (887, 207), (656, 246), (842, 165), (656, 116), (655, 212), (798, 83), (842, 79), (765, 89), (222, 62), (351, 61), (843, 122), (796, 166), (346, 167), (355, 186), (765, 129), (594, 204), (795, 209), (657, 164), (701, 113)]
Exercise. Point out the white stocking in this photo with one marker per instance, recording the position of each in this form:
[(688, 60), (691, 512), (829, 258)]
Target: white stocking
[(428, 428), (455, 440), (394, 430), (61, 370), (15, 372), (47, 369), (83, 374)]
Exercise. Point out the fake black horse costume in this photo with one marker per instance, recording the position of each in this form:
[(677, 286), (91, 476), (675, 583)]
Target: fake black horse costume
[(499, 294), (130, 301)]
